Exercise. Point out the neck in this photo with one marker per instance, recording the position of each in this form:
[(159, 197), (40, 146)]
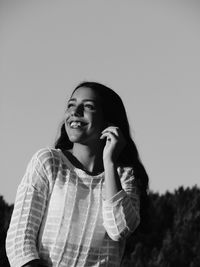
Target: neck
[(90, 157)]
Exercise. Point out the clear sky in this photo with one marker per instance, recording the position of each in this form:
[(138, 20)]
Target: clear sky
[(147, 51)]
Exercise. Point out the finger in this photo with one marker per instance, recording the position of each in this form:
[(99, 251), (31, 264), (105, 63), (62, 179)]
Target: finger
[(117, 135), (111, 127), (109, 136), (114, 130)]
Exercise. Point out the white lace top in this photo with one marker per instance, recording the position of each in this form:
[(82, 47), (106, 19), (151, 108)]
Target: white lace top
[(60, 215)]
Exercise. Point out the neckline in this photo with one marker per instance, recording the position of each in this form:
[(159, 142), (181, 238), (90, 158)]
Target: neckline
[(77, 169)]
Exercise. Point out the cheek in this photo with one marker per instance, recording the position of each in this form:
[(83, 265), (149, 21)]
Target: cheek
[(66, 128), (66, 114), (66, 117)]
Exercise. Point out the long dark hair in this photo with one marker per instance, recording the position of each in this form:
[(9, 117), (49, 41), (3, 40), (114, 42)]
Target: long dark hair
[(114, 112)]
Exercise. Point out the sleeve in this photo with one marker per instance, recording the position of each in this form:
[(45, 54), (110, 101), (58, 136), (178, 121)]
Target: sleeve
[(30, 204), (121, 213)]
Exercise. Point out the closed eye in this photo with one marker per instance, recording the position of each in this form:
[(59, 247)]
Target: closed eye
[(70, 105), (89, 106), (85, 104)]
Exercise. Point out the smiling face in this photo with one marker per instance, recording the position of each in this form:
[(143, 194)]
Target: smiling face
[(83, 118)]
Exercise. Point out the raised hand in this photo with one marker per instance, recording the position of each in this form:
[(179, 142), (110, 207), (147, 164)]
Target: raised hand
[(115, 142)]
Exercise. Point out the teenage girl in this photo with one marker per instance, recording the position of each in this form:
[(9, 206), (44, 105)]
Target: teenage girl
[(78, 202)]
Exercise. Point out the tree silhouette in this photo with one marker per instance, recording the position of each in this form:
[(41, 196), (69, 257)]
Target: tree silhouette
[(5, 215)]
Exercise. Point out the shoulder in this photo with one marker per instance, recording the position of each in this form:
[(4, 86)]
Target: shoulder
[(46, 157), (46, 161), (47, 153)]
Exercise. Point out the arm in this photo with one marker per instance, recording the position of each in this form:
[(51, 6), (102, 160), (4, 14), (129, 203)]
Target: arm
[(115, 142), (112, 180), (121, 212), (27, 215), (121, 206)]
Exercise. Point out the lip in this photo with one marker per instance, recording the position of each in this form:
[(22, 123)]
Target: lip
[(81, 122)]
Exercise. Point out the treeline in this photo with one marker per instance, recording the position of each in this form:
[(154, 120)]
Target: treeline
[(5, 215), (170, 236)]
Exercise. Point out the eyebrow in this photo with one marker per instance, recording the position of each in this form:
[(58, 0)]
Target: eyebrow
[(84, 100)]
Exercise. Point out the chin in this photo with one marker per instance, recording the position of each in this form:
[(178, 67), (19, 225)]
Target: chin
[(76, 139), (83, 141)]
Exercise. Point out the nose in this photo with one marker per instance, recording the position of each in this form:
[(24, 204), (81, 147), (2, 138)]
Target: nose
[(77, 110)]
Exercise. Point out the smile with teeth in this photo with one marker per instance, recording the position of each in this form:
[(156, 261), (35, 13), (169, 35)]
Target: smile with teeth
[(76, 124)]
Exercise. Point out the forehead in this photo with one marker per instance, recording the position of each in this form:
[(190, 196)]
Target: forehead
[(85, 93)]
